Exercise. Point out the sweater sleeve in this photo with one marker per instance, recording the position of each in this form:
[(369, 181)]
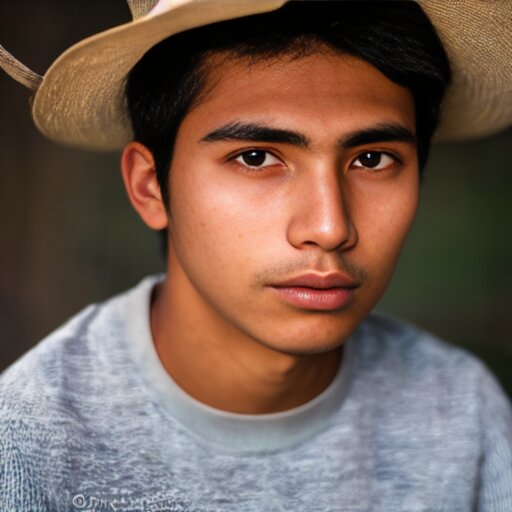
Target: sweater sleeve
[(25, 439), (496, 465), (20, 486)]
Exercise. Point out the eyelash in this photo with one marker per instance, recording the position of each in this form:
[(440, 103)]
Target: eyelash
[(382, 154), (266, 153), (254, 169)]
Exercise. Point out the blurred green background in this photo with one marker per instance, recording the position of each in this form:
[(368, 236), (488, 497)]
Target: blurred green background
[(69, 236)]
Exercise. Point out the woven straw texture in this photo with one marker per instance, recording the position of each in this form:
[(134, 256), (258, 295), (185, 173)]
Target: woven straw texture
[(140, 8), (477, 36), (15, 69), (81, 100)]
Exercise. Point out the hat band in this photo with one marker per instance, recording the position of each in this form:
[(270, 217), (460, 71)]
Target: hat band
[(15, 69)]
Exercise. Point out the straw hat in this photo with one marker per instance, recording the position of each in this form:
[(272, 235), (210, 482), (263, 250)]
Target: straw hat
[(80, 100)]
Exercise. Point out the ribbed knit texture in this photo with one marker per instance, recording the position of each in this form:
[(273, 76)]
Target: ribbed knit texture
[(409, 424)]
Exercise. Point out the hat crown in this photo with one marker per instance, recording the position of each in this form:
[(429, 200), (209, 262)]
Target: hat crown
[(81, 100), (140, 8)]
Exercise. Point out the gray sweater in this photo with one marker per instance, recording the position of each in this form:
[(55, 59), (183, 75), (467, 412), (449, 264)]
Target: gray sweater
[(90, 420)]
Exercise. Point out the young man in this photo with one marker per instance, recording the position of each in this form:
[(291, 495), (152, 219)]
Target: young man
[(280, 150)]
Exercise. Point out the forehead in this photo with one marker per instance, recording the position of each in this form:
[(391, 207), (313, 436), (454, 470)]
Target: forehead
[(323, 89)]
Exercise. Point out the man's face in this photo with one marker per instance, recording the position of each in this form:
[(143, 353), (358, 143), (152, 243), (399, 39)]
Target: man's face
[(292, 188)]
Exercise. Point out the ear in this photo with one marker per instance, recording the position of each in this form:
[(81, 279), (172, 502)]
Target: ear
[(139, 176)]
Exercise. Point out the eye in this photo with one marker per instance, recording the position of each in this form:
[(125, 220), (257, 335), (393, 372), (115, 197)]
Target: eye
[(256, 158), (374, 160)]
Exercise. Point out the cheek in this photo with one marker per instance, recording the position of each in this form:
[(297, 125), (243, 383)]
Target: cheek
[(217, 226), (197, 230), (384, 217)]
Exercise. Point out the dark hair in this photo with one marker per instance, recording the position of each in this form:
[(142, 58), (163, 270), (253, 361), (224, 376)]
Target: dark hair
[(396, 37)]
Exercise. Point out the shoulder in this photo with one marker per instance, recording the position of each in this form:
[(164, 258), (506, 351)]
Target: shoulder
[(52, 399), (75, 358), (435, 407), (29, 383), (31, 414), (422, 374), (412, 350)]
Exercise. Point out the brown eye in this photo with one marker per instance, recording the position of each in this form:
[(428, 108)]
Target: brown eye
[(373, 160), (257, 158), (254, 158)]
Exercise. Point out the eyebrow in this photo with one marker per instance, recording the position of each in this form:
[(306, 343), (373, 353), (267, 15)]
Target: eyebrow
[(257, 133), (254, 132), (386, 132)]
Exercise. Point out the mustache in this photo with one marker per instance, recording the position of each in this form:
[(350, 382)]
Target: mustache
[(292, 268)]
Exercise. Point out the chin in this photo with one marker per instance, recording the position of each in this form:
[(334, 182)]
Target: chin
[(317, 343), (309, 350)]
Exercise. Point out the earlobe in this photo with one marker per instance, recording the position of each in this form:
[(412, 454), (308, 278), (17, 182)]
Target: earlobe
[(140, 180)]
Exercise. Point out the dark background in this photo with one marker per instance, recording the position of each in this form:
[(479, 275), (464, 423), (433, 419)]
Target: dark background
[(69, 236)]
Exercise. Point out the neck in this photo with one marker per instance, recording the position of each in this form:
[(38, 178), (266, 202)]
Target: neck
[(226, 369)]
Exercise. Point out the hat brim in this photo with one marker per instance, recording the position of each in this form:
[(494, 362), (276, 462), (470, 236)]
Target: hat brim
[(81, 99)]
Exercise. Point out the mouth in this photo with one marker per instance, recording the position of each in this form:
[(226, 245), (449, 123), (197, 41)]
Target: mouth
[(317, 292)]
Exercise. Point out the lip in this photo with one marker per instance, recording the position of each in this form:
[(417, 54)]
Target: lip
[(318, 292)]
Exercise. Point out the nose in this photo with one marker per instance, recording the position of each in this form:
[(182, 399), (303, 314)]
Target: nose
[(321, 214)]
